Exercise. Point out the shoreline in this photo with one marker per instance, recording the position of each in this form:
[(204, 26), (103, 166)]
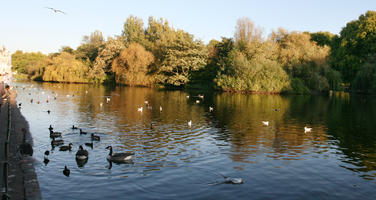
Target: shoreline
[(22, 178)]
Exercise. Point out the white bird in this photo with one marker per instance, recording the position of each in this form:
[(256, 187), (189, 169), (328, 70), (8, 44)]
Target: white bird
[(211, 109), (101, 104), (108, 99), (56, 10), (200, 96), (190, 123), (187, 96), (197, 101), (266, 123), (86, 91), (140, 109), (146, 102), (306, 129), (160, 108)]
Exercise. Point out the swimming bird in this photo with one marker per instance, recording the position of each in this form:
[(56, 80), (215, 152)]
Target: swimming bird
[(201, 96), (56, 10), (48, 111), (197, 101), (66, 148), (81, 132), (190, 123), (19, 105), (55, 142), (66, 171), (25, 148), (146, 102), (306, 129), (160, 109), (82, 154), (74, 127), (31, 100), (211, 109), (46, 160), (266, 123), (89, 144), (140, 109), (108, 99), (187, 96), (118, 157), (54, 134), (50, 128), (95, 137), (101, 104)]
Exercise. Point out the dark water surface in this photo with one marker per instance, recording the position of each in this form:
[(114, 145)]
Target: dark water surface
[(337, 160)]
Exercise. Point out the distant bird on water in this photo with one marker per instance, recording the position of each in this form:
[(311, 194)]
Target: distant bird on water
[(266, 123), (306, 129), (66, 171), (56, 10), (190, 123)]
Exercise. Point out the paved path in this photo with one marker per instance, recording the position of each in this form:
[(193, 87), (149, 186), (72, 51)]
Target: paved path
[(22, 179)]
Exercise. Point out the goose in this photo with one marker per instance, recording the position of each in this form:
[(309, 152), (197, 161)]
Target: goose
[(190, 123), (74, 127), (66, 171), (89, 144), (118, 157), (95, 137), (266, 123), (81, 132), (50, 128), (66, 148), (82, 154), (306, 129), (46, 160), (140, 109), (54, 134), (25, 148), (56, 142), (211, 109)]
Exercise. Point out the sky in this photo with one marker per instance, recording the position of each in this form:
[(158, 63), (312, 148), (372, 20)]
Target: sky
[(29, 26)]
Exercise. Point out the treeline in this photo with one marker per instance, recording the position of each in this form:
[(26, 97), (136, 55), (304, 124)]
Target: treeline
[(160, 55)]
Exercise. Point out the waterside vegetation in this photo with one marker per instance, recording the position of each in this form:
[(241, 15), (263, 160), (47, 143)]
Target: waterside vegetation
[(160, 55)]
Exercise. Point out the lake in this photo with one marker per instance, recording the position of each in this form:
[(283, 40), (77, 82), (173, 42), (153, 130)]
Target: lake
[(172, 160)]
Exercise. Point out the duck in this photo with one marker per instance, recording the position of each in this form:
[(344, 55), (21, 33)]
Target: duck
[(74, 127), (66, 171), (266, 123), (118, 157), (50, 128), (306, 129), (48, 111), (66, 148), (82, 132), (25, 148), (56, 142), (89, 144), (82, 154), (54, 134), (95, 137)]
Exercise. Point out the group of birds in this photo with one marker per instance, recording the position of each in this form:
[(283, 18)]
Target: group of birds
[(82, 155), (306, 129)]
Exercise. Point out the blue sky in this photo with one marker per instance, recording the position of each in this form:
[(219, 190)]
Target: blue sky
[(27, 25)]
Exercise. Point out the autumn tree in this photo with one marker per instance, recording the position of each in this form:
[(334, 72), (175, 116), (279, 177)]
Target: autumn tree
[(131, 67)]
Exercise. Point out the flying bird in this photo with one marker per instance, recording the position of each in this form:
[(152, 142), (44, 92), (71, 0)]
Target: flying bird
[(56, 10)]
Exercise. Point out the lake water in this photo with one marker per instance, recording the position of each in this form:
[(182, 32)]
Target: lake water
[(337, 160)]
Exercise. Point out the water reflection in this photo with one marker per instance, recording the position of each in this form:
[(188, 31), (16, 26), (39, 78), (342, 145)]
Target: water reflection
[(231, 139)]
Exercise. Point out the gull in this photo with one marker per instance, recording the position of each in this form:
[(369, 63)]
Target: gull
[(197, 101), (190, 123), (56, 10), (266, 123), (160, 108), (306, 129), (140, 109), (108, 99), (187, 96), (101, 104), (200, 96), (211, 109)]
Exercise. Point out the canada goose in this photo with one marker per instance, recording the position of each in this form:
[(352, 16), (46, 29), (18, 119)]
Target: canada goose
[(81, 132), (66, 148), (82, 154), (95, 137), (46, 160), (74, 127), (54, 134), (56, 142), (306, 129), (66, 171), (89, 144), (266, 123), (118, 157), (25, 148), (50, 128), (211, 109), (190, 123)]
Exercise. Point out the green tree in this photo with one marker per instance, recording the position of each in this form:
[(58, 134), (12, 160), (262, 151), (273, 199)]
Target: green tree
[(89, 48), (133, 31), (322, 38), (28, 63)]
